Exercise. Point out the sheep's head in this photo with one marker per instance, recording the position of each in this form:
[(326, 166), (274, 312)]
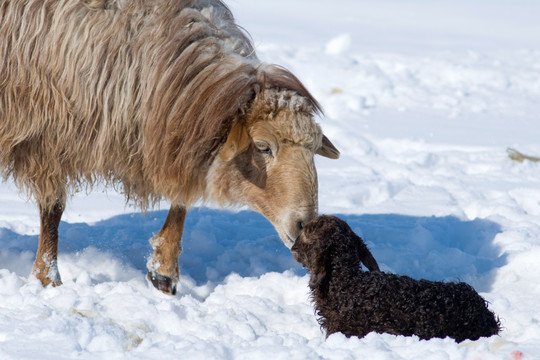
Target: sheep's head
[(267, 162)]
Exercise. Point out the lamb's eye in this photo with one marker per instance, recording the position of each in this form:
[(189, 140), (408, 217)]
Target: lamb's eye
[(263, 147)]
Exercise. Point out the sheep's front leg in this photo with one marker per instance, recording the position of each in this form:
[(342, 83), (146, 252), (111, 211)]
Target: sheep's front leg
[(163, 270), (45, 265)]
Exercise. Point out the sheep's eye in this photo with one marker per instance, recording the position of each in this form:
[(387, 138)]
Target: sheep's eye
[(263, 147)]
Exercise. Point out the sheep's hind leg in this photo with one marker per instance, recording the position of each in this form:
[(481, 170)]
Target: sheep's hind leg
[(45, 265), (163, 269)]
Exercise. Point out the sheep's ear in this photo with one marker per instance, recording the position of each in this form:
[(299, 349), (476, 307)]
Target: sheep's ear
[(237, 141), (328, 149)]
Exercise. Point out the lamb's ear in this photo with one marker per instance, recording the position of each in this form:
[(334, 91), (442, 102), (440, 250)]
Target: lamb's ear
[(319, 269), (365, 255), (328, 149), (237, 141), (316, 278), (369, 261)]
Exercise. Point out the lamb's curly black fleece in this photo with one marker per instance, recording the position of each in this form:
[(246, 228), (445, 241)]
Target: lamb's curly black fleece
[(356, 302)]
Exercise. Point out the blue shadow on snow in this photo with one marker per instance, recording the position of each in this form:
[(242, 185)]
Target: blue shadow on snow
[(217, 243)]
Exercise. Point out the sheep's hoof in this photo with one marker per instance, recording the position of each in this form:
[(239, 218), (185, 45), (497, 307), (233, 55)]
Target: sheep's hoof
[(52, 278), (162, 283)]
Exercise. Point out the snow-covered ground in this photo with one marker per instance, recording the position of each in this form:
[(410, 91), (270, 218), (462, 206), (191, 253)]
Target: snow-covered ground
[(422, 98)]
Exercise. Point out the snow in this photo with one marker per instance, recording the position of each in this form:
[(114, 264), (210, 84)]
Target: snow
[(422, 99), (339, 45)]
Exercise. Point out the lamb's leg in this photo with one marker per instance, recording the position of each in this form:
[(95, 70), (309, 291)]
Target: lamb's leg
[(45, 265), (163, 270)]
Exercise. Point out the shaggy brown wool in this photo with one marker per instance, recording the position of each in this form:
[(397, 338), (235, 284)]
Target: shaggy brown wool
[(140, 93), (163, 99), (357, 302)]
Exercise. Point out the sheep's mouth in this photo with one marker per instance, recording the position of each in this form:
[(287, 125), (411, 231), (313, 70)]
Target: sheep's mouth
[(290, 241), (287, 239)]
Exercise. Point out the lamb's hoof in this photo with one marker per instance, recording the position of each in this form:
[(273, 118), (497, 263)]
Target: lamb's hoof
[(162, 283)]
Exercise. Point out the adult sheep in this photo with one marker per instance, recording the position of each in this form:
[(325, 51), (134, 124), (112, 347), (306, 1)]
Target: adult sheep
[(165, 98)]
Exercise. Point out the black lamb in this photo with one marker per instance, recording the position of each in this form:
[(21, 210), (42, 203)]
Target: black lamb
[(356, 302)]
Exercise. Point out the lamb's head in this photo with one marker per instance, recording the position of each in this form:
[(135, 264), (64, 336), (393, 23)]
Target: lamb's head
[(322, 241), (328, 239), (323, 235), (267, 162)]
